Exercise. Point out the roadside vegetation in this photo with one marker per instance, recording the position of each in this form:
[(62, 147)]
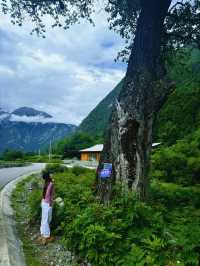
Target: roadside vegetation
[(12, 159), (17, 158), (8, 164), (27, 213), (163, 231)]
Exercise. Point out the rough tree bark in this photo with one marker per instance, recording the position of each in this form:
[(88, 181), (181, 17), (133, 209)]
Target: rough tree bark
[(129, 137)]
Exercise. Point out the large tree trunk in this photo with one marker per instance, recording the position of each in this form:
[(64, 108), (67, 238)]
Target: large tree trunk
[(129, 138)]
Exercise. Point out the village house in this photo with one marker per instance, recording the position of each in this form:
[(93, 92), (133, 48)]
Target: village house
[(93, 153)]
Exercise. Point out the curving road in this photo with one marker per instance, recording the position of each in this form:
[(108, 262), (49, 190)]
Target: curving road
[(9, 174)]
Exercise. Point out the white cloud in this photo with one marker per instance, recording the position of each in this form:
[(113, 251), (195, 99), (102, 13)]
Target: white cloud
[(66, 74), (31, 119), (6, 71), (3, 116)]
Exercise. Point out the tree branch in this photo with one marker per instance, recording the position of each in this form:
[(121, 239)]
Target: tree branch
[(175, 5), (112, 3)]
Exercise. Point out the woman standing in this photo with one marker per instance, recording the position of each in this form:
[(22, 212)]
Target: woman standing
[(46, 204)]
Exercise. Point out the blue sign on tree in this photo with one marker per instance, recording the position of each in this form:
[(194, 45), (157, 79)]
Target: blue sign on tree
[(106, 171), (107, 166)]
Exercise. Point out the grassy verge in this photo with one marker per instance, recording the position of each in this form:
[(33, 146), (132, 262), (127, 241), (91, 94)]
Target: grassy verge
[(26, 203), (27, 206), (21, 207), (162, 232)]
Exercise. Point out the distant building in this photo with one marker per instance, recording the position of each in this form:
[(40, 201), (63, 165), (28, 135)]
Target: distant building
[(156, 144), (94, 152)]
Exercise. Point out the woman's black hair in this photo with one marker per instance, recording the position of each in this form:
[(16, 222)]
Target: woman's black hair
[(46, 175), (47, 178)]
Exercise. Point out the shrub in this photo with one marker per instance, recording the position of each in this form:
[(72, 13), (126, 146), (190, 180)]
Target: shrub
[(57, 218), (7, 164), (13, 155), (193, 164), (172, 195), (34, 202), (77, 170), (179, 163), (55, 168)]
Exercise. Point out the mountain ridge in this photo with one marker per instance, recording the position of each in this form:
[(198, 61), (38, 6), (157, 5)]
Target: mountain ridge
[(30, 135), (28, 111)]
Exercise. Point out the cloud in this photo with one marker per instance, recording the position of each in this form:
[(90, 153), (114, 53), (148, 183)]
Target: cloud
[(31, 119), (3, 116), (6, 71), (66, 74)]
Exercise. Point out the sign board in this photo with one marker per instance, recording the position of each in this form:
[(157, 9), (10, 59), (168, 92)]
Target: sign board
[(107, 166), (106, 171)]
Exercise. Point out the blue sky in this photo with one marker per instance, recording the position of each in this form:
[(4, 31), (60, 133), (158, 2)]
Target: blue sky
[(66, 74)]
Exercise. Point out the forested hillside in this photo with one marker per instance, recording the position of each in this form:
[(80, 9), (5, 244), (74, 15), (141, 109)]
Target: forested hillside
[(180, 115), (97, 120)]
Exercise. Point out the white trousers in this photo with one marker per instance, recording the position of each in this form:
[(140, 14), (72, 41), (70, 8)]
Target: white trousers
[(45, 219)]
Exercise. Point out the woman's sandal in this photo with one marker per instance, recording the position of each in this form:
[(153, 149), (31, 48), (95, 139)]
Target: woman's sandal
[(50, 239), (47, 240)]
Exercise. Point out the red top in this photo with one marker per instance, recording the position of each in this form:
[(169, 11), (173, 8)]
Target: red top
[(49, 193)]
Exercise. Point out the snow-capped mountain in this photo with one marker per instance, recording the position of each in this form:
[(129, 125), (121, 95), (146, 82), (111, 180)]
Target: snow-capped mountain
[(30, 112), (28, 129)]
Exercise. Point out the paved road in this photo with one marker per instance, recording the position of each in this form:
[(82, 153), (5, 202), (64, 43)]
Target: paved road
[(8, 174)]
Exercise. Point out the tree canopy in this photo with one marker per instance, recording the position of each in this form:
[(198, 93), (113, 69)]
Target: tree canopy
[(63, 12), (182, 25)]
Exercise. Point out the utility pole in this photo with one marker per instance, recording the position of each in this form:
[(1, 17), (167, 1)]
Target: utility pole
[(50, 150)]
